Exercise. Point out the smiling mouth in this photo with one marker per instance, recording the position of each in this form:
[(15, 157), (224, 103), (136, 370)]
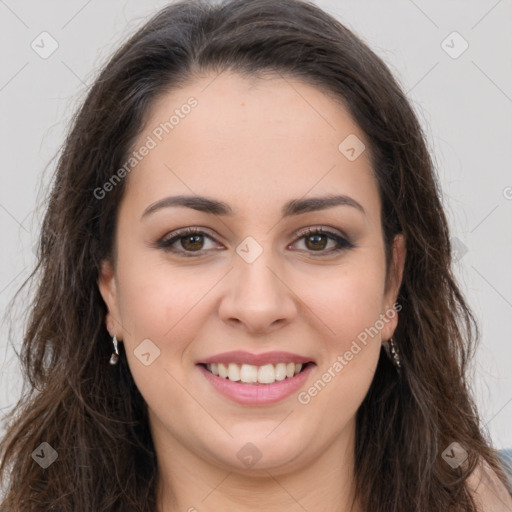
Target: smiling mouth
[(252, 374)]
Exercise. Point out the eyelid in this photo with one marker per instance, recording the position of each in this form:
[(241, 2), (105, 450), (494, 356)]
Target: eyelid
[(193, 230), (326, 229)]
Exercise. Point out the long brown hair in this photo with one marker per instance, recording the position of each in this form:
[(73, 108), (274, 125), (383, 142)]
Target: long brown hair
[(93, 415)]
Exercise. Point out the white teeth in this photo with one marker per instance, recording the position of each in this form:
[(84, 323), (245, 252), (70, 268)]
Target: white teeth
[(281, 371), (223, 371), (233, 372), (250, 374), (267, 374)]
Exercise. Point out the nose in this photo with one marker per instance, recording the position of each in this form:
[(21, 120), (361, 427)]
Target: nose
[(257, 297)]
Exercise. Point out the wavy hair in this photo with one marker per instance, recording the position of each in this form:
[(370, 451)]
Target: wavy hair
[(93, 415)]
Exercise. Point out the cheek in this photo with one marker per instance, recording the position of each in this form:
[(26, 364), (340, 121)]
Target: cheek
[(347, 301), (166, 305), (156, 302), (351, 349), (348, 306), (159, 320)]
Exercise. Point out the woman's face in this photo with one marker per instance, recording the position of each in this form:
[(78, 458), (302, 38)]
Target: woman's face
[(250, 283)]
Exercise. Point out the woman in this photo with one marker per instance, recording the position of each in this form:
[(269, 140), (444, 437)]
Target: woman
[(245, 223)]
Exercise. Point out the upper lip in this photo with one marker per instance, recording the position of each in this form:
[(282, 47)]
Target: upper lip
[(241, 357)]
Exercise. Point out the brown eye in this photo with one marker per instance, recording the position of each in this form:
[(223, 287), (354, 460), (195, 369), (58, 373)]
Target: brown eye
[(317, 240), (191, 240)]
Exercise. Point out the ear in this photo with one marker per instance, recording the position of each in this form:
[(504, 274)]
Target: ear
[(108, 289), (393, 283)]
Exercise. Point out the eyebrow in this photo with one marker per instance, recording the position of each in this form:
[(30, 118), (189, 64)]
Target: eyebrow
[(214, 207)]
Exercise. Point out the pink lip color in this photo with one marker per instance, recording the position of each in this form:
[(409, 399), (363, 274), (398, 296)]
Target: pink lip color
[(241, 357), (257, 394)]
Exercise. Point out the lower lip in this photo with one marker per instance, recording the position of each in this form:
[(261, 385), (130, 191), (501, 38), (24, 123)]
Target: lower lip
[(257, 394)]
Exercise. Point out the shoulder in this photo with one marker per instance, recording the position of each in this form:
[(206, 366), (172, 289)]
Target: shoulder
[(489, 492)]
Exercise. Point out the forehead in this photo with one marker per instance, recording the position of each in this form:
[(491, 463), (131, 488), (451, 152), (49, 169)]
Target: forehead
[(261, 140)]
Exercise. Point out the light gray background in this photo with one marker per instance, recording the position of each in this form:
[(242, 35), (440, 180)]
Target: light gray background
[(465, 105)]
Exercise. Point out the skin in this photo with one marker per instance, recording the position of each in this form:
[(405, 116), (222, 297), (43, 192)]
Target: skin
[(254, 143), (489, 493)]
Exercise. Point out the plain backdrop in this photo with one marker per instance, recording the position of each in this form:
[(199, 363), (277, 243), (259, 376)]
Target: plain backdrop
[(463, 97)]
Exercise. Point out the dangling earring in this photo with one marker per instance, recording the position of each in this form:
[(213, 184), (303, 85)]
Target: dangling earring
[(394, 353), (114, 358)]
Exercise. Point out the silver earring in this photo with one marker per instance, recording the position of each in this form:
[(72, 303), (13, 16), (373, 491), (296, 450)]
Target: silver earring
[(114, 358), (394, 353)]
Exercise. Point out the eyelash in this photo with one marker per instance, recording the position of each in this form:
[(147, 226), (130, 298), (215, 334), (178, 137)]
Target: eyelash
[(167, 243)]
